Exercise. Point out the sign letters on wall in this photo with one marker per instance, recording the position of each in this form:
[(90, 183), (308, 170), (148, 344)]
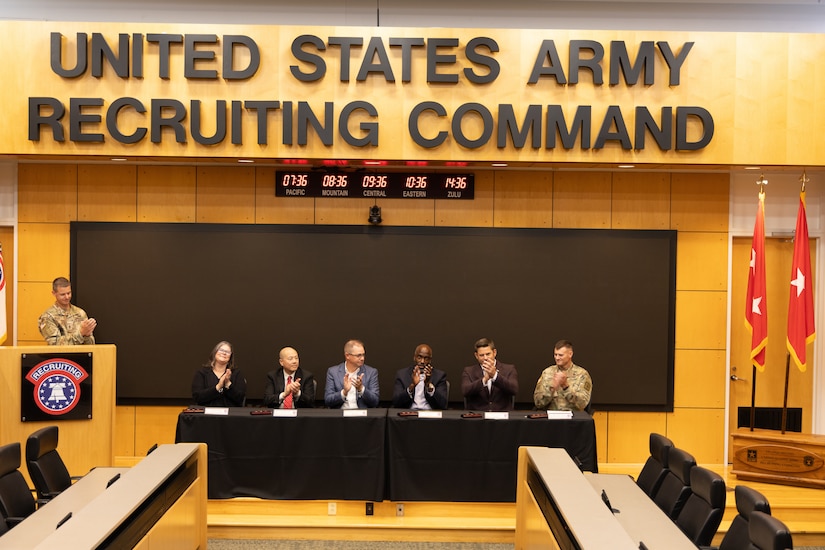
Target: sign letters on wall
[(366, 67)]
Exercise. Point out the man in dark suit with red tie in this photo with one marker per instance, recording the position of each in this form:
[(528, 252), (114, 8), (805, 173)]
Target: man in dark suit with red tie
[(489, 385), (289, 386)]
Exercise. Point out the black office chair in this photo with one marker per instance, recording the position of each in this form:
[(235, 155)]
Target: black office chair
[(655, 468), (46, 469), (703, 510), (16, 500), (747, 501), (512, 402), (768, 533), (675, 488)]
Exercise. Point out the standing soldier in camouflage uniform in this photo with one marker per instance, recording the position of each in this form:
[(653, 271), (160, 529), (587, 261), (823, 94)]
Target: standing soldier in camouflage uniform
[(563, 386), (64, 323)]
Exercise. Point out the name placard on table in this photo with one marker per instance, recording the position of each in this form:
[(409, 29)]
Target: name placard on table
[(496, 415), (217, 411), (355, 412), (285, 413)]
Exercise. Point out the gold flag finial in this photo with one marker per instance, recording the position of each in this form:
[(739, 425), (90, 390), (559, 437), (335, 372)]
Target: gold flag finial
[(804, 179), (761, 182)]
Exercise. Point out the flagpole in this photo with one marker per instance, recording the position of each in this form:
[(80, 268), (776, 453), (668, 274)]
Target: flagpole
[(801, 329), (785, 402), (756, 310), (804, 180), (753, 396)]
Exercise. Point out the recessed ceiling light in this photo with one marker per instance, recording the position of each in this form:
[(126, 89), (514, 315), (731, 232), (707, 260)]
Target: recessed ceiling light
[(627, 166), (247, 161), (118, 159), (499, 164), (752, 168)]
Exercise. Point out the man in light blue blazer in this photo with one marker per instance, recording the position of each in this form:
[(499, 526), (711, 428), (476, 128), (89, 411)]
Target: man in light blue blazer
[(352, 384)]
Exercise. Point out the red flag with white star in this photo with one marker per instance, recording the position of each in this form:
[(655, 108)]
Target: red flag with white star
[(756, 305), (801, 330)]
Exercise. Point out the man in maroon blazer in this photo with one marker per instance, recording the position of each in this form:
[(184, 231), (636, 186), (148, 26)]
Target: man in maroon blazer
[(489, 385)]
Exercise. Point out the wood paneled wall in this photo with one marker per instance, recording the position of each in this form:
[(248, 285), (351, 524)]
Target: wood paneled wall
[(695, 204)]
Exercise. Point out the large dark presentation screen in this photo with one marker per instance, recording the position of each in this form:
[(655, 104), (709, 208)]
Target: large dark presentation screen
[(165, 294)]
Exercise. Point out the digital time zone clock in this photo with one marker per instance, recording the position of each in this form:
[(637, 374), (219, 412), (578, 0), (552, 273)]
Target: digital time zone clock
[(403, 185)]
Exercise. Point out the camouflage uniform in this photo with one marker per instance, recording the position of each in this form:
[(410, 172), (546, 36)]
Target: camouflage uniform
[(574, 398), (60, 327)]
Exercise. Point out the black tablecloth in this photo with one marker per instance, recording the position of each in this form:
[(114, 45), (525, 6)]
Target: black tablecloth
[(459, 459), (317, 455), (322, 455)]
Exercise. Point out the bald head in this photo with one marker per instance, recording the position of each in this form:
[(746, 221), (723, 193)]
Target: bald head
[(423, 355), (288, 358)]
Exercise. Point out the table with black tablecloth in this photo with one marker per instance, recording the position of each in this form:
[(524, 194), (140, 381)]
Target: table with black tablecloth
[(318, 454), (459, 459)]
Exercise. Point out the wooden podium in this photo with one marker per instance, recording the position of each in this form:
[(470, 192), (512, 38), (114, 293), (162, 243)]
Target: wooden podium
[(773, 457), (83, 444)]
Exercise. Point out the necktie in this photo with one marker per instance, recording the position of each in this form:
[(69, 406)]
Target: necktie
[(288, 398)]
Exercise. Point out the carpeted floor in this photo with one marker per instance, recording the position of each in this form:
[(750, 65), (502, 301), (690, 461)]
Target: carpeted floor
[(220, 544), (216, 544)]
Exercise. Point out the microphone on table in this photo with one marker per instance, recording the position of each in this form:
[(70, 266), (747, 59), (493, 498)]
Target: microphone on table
[(607, 502), (111, 481), (66, 518)]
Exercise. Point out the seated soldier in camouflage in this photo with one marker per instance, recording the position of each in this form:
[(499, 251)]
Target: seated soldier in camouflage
[(564, 386)]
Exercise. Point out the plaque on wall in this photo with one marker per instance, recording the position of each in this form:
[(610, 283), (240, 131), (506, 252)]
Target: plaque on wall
[(55, 386)]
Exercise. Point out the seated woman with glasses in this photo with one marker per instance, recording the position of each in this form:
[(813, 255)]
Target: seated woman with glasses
[(219, 383)]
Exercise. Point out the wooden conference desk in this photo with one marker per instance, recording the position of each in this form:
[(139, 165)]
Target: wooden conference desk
[(643, 520), (161, 502), (426, 459), (36, 527), (457, 459), (560, 507)]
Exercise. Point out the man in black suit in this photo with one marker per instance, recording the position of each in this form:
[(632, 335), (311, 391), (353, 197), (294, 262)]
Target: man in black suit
[(289, 386), (420, 386), (489, 385)]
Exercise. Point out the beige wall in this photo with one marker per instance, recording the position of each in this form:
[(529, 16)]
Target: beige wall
[(694, 204)]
